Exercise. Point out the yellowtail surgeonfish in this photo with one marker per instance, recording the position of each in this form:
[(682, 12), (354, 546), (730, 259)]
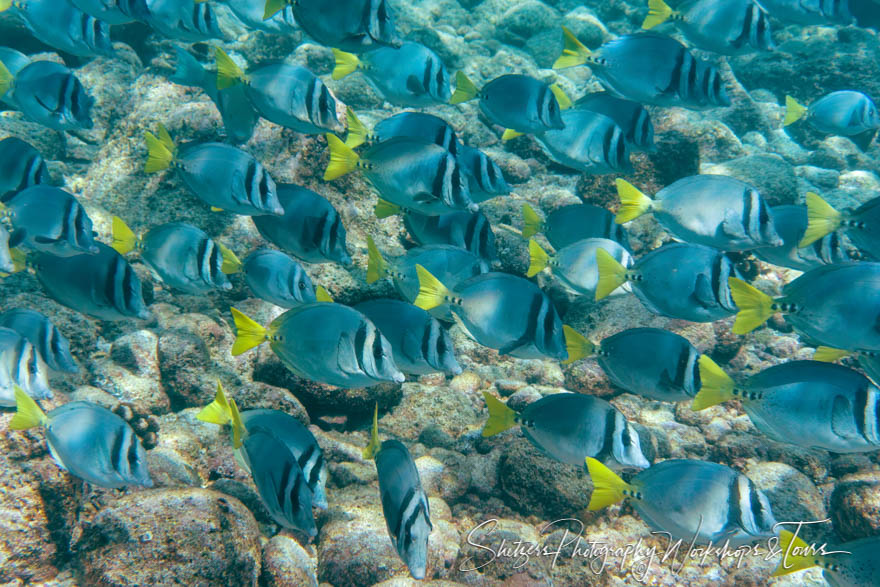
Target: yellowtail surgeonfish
[(861, 226), (51, 345), (21, 166), (276, 278), (853, 564), (48, 220), (21, 368)]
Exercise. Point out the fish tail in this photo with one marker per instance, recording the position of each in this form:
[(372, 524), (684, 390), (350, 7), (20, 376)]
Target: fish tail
[(357, 132), (716, 386), (19, 260), (6, 78), (346, 64), (322, 295), (228, 72), (608, 487), (343, 159), (501, 416), (231, 264), (218, 411), (509, 134), (372, 448), (658, 13), (238, 429), (794, 111), (377, 266), (573, 53), (249, 334), (561, 97), (432, 292), (384, 209), (160, 150), (792, 562), (5, 5), (611, 274), (538, 258), (822, 219), (532, 223), (754, 306), (124, 239), (27, 413), (464, 89), (273, 7), (826, 354), (633, 203), (578, 346)]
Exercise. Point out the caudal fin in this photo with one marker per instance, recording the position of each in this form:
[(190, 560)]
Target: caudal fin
[(608, 487), (377, 266), (384, 209), (464, 89), (357, 132), (573, 52), (372, 448), (538, 258), (322, 295), (611, 274), (343, 159), (561, 97), (228, 72), (231, 263), (716, 386), (633, 203), (124, 239), (797, 555), (826, 354), (577, 345), (432, 292), (532, 223), (754, 306), (794, 111), (346, 64), (273, 7), (822, 219), (6, 79), (218, 411), (249, 334), (501, 417), (658, 13), (160, 150), (27, 413)]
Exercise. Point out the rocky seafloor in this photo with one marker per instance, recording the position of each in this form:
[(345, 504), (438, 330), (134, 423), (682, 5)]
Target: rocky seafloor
[(203, 523)]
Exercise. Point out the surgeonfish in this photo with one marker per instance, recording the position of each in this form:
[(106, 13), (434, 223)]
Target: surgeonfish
[(467, 230), (854, 564), (590, 143), (692, 500), (404, 503), (324, 342), (791, 225), (186, 20), (419, 343), (712, 210), (183, 256), (631, 117), (845, 113), (63, 26), (569, 427), (310, 228), (21, 166), (575, 265), (678, 280), (727, 27), (485, 177), (7, 263), (48, 93), (88, 441), (414, 125), (14, 61), (861, 226), (568, 224), (20, 367), (276, 278), (650, 69), (809, 12), (808, 403), (51, 346), (221, 175), (408, 75), (49, 220), (251, 13), (106, 10)]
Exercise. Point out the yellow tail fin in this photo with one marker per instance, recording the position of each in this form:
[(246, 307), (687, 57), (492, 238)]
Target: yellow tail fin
[(372, 448), (6, 79), (343, 159), (797, 555), (432, 292), (228, 72), (577, 345), (5, 5), (124, 240), (538, 259), (608, 488), (159, 153), (357, 132), (509, 134), (377, 266), (27, 413), (238, 429), (464, 89), (658, 13), (573, 53), (716, 386), (826, 354), (633, 203), (561, 97), (794, 111), (249, 334), (501, 417), (273, 7), (754, 306), (384, 209), (322, 295), (532, 223), (218, 411), (822, 219), (19, 260), (611, 274), (231, 264), (346, 64)]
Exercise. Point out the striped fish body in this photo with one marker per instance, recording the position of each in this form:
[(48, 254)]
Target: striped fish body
[(67, 28), (696, 500), (575, 265), (228, 178), (184, 20), (791, 224), (21, 166), (96, 445), (590, 142), (49, 220), (654, 69), (419, 342), (859, 568), (184, 257), (354, 26), (521, 103), (50, 94), (102, 285), (809, 12), (6, 263), (104, 10), (418, 176), (716, 211), (278, 279), (250, 13), (405, 505), (728, 27), (310, 229), (51, 346), (510, 314), (570, 427), (293, 97), (333, 344), (417, 125), (467, 230), (685, 281), (409, 75), (846, 113), (485, 178), (20, 365), (568, 224), (631, 117), (651, 362), (815, 405)]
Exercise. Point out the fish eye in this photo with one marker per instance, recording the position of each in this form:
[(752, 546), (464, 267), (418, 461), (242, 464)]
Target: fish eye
[(302, 285)]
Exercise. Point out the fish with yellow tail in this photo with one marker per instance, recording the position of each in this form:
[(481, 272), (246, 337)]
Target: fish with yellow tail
[(568, 224), (278, 279), (845, 113), (575, 265), (852, 564), (861, 225)]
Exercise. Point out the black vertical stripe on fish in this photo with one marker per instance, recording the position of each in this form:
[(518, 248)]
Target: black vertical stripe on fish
[(283, 482), (437, 189), (691, 84), (440, 79), (425, 348), (607, 141), (607, 449), (326, 108), (17, 356), (114, 284), (426, 75), (544, 104), (734, 501), (310, 100), (360, 341), (876, 439), (320, 229), (82, 228), (249, 177), (860, 409), (332, 238), (676, 74), (715, 97), (620, 154), (403, 506), (215, 262), (748, 199), (303, 461), (202, 258), (706, 82), (757, 508), (132, 451), (130, 290), (407, 527), (681, 367), (716, 277), (117, 449)]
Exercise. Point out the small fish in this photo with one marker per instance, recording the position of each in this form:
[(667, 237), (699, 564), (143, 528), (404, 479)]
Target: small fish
[(106, 10), (678, 280), (485, 178), (727, 27), (466, 230), (808, 12), (20, 367), (568, 224), (323, 342), (711, 210), (861, 226), (186, 20), (251, 12), (500, 311), (310, 229), (791, 225), (278, 279), (519, 103), (52, 347), (288, 95), (404, 503), (631, 117), (221, 175), (575, 265), (845, 113), (21, 166), (414, 125), (590, 142), (49, 220), (88, 441), (48, 93), (807, 403), (691, 500), (183, 256), (650, 69), (569, 427), (855, 565), (419, 342), (63, 26)]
